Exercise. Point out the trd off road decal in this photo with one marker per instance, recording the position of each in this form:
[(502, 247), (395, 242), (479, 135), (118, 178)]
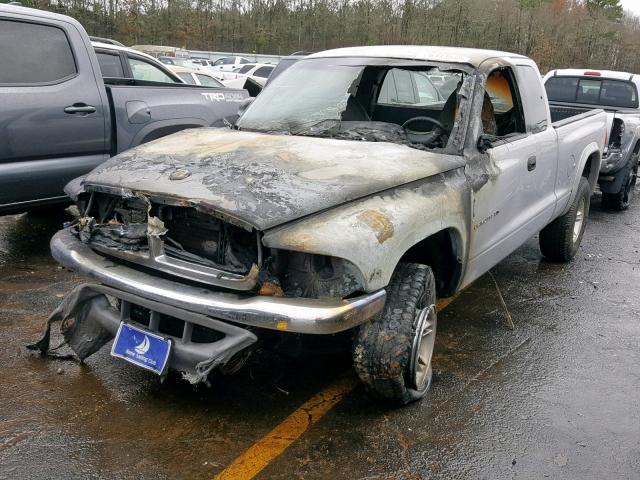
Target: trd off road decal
[(223, 96)]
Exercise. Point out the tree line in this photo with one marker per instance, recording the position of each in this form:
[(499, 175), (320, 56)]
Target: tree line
[(556, 33)]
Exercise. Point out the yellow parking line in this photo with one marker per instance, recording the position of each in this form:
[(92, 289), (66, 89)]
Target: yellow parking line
[(262, 453), (274, 443), (444, 302)]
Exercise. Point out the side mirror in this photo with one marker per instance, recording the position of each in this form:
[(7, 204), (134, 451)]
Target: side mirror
[(485, 142), (245, 104)]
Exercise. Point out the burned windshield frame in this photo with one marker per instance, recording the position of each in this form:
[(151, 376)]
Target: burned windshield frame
[(252, 120)]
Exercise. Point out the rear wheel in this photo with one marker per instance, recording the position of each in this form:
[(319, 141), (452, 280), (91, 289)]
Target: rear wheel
[(560, 240), (392, 354), (622, 199)]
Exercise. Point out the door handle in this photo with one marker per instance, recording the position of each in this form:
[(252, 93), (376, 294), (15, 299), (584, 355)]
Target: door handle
[(531, 163), (80, 108)]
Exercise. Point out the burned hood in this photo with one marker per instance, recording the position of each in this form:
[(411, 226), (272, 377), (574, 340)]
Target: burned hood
[(262, 179)]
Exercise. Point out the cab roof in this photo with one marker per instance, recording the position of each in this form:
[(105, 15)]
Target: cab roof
[(470, 56)]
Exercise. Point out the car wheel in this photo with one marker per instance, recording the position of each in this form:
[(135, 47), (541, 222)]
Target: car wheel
[(560, 240), (621, 200), (392, 354)]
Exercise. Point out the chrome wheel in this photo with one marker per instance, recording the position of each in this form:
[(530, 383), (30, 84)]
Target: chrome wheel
[(628, 192), (423, 344), (579, 221)]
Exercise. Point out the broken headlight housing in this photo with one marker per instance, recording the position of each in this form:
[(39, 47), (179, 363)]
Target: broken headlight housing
[(315, 276)]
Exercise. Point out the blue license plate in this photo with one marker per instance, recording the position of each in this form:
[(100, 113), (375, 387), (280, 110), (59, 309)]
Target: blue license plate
[(142, 348)]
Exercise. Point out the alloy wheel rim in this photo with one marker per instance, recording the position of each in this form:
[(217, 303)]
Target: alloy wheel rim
[(424, 342), (577, 224), (628, 192)]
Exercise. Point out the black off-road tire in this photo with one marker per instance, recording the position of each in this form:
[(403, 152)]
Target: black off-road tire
[(557, 241), (384, 349), (621, 200)]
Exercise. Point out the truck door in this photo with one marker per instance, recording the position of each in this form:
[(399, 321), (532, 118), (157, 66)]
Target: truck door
[(501, 207), (539, 181), (52, 121)]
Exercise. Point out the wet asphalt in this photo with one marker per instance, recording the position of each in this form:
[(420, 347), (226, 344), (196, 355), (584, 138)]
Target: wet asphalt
[(555, 397)]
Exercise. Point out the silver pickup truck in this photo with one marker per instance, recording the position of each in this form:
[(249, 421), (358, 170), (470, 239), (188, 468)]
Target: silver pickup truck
[(573, 91), (67, 105), (348, 197)]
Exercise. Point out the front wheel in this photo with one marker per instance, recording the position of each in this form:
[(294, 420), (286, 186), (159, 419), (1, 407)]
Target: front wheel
[(560, 240), (392, 354)]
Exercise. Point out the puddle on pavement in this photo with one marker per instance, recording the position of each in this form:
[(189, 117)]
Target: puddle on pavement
[(27, 235), (496, 391)]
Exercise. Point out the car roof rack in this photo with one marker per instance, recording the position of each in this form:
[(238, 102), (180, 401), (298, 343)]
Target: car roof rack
[(106, 40)]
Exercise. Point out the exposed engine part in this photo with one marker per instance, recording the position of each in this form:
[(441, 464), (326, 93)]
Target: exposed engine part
[(270, 289), (127, 224), (118, 235)]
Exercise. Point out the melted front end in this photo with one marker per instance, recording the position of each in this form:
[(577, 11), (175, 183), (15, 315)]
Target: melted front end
[(174, 239)]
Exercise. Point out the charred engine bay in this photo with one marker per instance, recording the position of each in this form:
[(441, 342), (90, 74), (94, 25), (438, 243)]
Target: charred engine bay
[(128, 223), (112, 224)]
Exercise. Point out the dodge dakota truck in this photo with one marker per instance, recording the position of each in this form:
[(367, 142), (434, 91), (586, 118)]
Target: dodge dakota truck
[(68, 104), (346, 198), (574, 91)]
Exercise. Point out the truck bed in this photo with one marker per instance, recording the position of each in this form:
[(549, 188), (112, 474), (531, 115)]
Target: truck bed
[(577, 134), (564, 114)]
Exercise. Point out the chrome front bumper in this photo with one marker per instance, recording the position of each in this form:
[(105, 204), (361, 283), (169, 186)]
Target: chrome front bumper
[(298, 315), (195, 359)]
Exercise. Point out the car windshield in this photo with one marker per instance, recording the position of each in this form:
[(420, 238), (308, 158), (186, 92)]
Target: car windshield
[(348, 98), (186, 63)]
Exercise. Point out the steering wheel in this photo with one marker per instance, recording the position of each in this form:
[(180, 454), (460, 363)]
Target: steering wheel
[(424, 137), (426, 119)]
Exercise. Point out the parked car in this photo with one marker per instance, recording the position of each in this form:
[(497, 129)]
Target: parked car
[(179, 62), (197, 77), (187, 63), (117, 62), (250, 84), (167, 60), (284, 64), (260, 72), (327, 209), (229, 63), (575, 91), (202, 61), (60, 118)]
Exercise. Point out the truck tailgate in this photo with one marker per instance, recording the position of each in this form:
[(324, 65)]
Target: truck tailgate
[(144, 113)]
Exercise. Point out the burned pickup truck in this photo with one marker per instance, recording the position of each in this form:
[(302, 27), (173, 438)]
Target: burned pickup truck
[(362, 184)]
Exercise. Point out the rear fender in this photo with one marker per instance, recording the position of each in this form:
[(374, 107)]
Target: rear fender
[(592, 154)]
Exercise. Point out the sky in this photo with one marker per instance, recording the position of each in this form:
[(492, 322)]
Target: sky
[(631, 5)]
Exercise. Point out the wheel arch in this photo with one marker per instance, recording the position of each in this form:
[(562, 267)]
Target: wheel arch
[(442, 251), (590, 168)]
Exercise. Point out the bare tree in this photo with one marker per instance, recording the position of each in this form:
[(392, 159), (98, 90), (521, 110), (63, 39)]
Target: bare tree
[(556, 33)]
